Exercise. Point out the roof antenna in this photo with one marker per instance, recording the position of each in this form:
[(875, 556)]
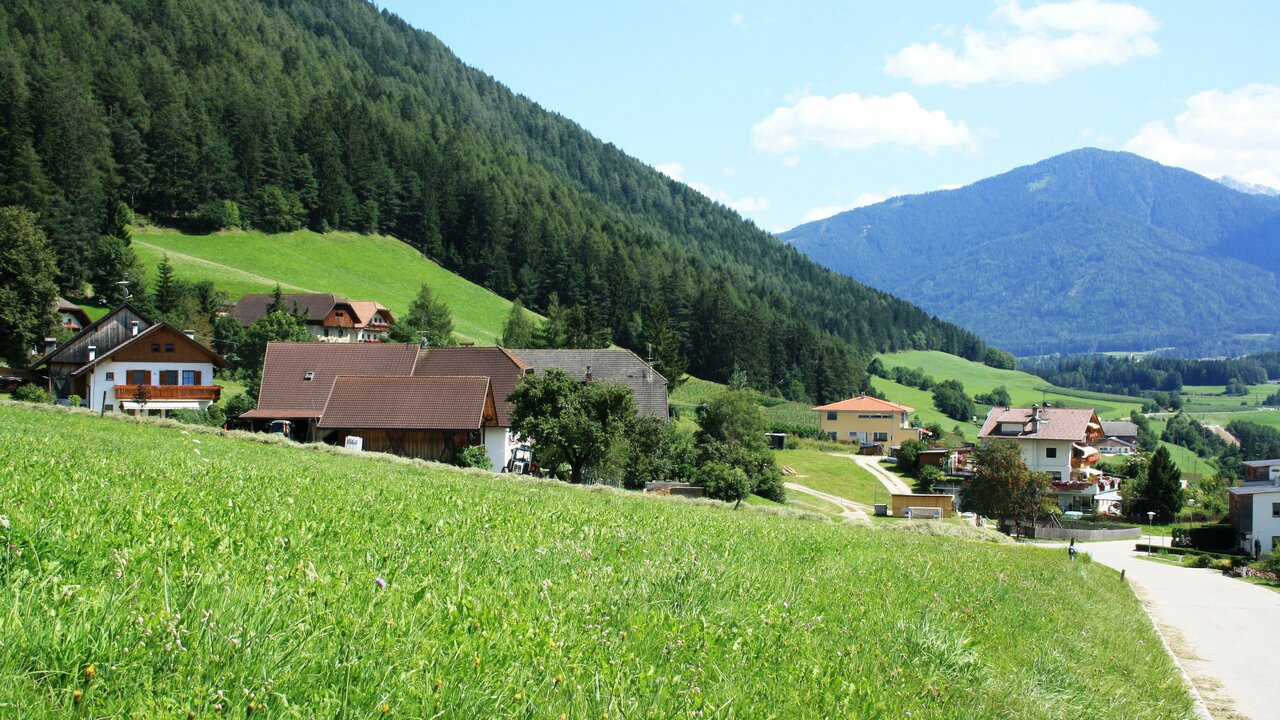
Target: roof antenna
[(422, 340), (124, 285)]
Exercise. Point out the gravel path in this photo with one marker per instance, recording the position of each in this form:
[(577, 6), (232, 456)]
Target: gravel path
[(1224, 631), (872, 464)]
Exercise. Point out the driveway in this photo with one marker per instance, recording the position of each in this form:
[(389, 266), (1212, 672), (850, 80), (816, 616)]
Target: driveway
[(872, 464), (848, 508), (1225, 632)]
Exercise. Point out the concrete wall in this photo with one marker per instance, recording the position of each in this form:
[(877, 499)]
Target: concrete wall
[(1044, 532)]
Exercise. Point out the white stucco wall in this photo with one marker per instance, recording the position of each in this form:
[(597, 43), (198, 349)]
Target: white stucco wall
[(1034, 451), (1266, 528), (498, 443), (98, 382)]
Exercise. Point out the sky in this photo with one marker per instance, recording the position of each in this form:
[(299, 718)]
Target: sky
[(793, 111)]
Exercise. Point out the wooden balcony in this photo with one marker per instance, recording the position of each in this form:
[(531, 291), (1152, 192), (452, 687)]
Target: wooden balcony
[(171, 392)]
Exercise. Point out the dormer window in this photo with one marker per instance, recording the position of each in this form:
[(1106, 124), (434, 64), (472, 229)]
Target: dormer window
[(309, 375)]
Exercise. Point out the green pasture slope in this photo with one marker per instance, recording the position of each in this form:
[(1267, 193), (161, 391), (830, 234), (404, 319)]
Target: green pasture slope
[(1024, 388), (198, 573), (361, 267)]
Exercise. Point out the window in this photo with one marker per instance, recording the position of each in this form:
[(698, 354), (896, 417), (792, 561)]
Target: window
[(831, 416), (326, 332), (138, 377), (831, 435), (1051, 453), (309, 375), (168, 347), (155, 347), (109, 408), (339, 314), (190, 377), (168, 377), (1275, 509), (881, 437), (110, 377), (342, 333)]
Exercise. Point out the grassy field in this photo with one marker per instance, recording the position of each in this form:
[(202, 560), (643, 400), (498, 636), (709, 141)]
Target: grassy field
[(361, 267), (838, 476), (922, 402), (1024, 388), (694, 392), (168, 574)]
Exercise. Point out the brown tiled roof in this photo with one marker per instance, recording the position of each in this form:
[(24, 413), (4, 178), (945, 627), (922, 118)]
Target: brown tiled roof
[(865, 403), (1055, 423), (315, 306), (365, 310), (409, 403), (504, 369), (286, 389)]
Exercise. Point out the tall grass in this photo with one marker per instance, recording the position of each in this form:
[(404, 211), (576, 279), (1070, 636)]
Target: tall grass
[(203, 575)]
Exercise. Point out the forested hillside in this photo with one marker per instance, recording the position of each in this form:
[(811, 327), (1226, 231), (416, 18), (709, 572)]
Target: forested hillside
[(330, 114), (1084, 252)]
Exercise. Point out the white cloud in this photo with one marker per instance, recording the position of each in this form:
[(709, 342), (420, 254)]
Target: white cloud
[(744, 205), (1220, 133), (863, 199), (1045, 42), (736, 20), (853, 122), (951, 186)]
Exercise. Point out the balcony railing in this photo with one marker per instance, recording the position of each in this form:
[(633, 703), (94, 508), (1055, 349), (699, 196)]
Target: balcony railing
[(171, 392)]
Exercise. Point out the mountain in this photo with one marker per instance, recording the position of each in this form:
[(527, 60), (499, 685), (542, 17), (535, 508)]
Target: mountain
[(334, 115), (1087, 251), (1248, 188)]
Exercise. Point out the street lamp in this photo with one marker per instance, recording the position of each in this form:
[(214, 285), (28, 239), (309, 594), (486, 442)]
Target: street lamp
[(1151, 519)]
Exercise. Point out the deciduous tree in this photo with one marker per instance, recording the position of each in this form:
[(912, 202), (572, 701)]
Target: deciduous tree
[(570, 421), (1003, 487)]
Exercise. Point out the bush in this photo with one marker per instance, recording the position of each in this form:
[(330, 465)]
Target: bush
[(33, 394), (724, 482), (239, 405), (74, 400), (929, 475), (908, 455), (473, 457), (213, 417), (1197, 560)]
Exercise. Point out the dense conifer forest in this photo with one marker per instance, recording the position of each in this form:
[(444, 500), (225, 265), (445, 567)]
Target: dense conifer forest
[(331, 114)]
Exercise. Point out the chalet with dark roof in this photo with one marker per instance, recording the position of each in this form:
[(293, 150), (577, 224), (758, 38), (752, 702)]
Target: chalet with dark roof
[(124, 362), (328, 317), (1056, 441)]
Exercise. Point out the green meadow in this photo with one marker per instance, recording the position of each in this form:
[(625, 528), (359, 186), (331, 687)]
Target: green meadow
[(151, 570), (360, 267), (839, 476), (1024, 388)]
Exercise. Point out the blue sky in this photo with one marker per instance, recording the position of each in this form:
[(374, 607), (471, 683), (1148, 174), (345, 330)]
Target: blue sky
[(791, 111)]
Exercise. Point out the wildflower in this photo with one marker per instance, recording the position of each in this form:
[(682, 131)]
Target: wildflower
[(75, 696), (382, 584), (519, 696), (559, 678), (89, 672), (385, 708), (439, 682)]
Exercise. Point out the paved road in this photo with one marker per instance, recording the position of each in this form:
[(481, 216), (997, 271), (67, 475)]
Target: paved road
[(848, 508), (1225, 631), (886, 478)]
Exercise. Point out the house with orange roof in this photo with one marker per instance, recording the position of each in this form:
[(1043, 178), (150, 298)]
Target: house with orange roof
[(867, 420)]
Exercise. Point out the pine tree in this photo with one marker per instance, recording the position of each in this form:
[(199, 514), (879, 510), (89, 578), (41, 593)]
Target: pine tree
[(27, 289), (166, 293), (519, 328), (1162, 492), (428, 320)]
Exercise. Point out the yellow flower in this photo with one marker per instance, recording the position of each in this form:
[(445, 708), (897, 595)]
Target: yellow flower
[(89, 672), (559, 679), (76, 696), (385, 708), (519, 696), (439, 682)]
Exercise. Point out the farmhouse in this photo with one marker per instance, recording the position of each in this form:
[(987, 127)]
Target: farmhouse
[(328, 317), (648, 386), (70, 315), (1056, 441), (867, 420), (124, 362), (402, 399), (1254, 512)]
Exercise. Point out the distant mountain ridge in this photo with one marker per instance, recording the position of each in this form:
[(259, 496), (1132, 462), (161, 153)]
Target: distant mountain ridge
[(1087, 251), (1248, 188)]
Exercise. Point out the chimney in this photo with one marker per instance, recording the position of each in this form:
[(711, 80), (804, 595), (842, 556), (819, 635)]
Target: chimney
[(1035, 419), (133, 325), (50, 344), (588, 373), (191, 334), (93, 353)]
